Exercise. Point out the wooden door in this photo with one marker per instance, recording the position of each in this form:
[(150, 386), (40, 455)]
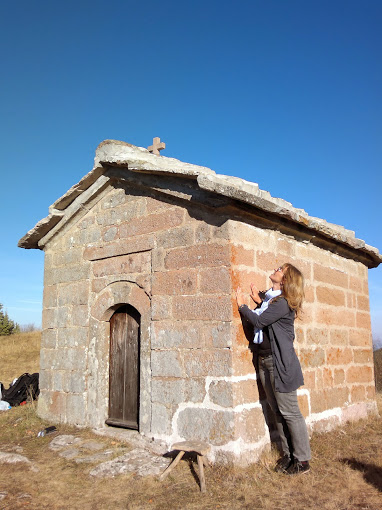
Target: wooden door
[(124, 368)]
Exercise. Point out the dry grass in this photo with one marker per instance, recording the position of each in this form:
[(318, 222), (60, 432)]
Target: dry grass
[(346, 474), (19, 353)]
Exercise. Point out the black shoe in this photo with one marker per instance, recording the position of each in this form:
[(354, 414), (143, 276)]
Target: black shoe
[(283, 464), (298, 467)]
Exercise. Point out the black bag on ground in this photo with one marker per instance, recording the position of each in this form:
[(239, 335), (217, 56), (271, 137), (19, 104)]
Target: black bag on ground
[(24, 388)]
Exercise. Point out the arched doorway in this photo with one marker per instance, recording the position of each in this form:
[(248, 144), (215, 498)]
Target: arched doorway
[(124, 368)]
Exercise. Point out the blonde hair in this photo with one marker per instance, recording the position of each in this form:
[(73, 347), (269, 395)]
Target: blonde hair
[(293, 287)]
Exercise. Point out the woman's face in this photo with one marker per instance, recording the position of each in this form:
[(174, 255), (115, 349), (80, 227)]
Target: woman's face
[(277, 275)]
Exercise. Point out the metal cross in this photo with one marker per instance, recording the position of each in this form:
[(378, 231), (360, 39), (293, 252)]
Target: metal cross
[(156, 146)]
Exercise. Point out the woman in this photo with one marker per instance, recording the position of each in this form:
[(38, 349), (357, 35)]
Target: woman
[(279, 368)]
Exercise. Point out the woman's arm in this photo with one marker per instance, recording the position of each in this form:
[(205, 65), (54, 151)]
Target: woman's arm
[(273, 313)]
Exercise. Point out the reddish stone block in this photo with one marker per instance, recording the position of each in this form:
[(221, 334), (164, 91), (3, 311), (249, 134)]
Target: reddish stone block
[(363, 303), (250, 425), (339, 376), (314, 357), (183, 282), (245, 392), (333, 317), (244, 279), (202, 307), (330, 296), (360, 338), (242, 362), (370, 392), (358, 393), (328, 377), (339, 336), (309, 295), (363, 356), (142, 243), (363, 320), (317, 336), (355, 284), (350, 300), (339, 356), (286, 247), (310, 379), (215, 280), (359, 374), (331, 276), (154, 205), (241, 256), (153, 223), (268, 261), (133, 263), (211, 255)]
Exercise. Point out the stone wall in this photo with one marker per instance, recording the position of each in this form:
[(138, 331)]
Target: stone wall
[(178, 263)]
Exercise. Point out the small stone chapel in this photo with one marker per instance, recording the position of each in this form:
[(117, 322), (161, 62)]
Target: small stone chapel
[(140, 324)]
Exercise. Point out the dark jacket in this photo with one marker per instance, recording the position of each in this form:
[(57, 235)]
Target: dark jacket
[(280, 321)]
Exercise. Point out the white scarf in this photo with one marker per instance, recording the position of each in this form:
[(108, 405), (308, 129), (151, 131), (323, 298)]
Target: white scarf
[(270, 294)]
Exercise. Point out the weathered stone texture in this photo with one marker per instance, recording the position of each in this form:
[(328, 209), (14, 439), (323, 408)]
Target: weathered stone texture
[(215, 427)]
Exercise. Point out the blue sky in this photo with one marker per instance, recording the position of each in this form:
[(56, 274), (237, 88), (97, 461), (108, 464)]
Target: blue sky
[(285, 93)]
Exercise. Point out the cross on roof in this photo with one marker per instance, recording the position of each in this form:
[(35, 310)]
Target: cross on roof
[(156, 146)]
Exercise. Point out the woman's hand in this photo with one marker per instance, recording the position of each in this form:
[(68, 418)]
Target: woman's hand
[(239, 297), (255, 294)]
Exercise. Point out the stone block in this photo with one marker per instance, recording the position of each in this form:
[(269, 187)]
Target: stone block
[(350, 300), (175, 237), (58, 377), (244, 279), (167, 391), (220, 336), (63, 316), (339, 376), (160, 308), (335, 317), (80, 315), (123, 264), (221, 393), (73, 337), (75, 293), (113, 199), (120, 247), (313, 357), (202, 233), (68, 274), (356, 284), (166, 364), (56, 403), (45, 380), (317, 336), (358, 393), (360, 338), (155, 222), (363, 303), (214, 427), (363, 320), (211, 255), (154, 205), (330, 296), (359, 374), (355, 412), (216, 280), (49, 339), (330, 275), (339, 356), (250, 425), (242, 362), (339, 336), (177, 334), (245, 392), (286, 246), (50, 296), (214, 363), (76, 409), (110, 234), (268, 261), (161, 418), (326, 424), (157, 259), (310, 379), (49, 318), (179, 282), (74, 382), (241, 256), (363, 356), (202, 308), (70, 257)]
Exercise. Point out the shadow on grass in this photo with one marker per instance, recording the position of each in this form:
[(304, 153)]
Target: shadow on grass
[(371, 473)]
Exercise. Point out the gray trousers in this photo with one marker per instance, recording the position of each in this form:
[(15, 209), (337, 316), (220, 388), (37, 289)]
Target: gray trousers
[(291, 425)]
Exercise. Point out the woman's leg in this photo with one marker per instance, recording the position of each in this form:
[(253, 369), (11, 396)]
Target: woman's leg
[(267, 380), (289, 408)]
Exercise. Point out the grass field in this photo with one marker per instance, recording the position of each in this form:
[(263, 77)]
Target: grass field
[(346, 466)]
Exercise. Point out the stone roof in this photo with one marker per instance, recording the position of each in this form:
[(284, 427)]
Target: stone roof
[(137, 159)]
